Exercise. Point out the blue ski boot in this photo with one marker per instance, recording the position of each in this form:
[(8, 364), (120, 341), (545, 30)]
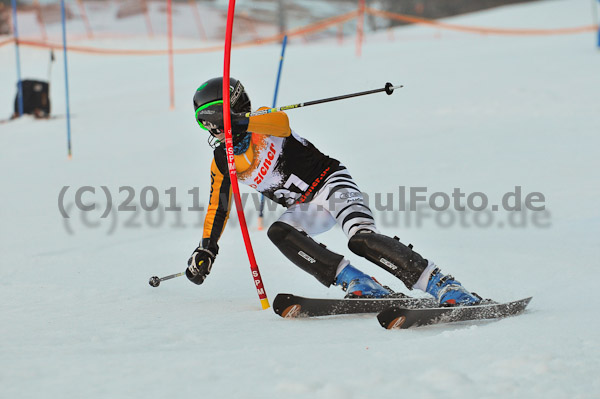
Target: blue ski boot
[(448, 291), (359, 285)]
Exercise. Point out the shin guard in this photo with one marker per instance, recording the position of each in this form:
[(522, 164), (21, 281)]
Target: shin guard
[(304, 252), (391, 255)]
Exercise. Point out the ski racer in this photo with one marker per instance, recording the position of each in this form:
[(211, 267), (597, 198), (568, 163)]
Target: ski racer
[(318, 192)]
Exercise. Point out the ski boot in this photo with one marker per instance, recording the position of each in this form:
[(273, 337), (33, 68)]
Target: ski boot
[(448, 291), (359, 285)]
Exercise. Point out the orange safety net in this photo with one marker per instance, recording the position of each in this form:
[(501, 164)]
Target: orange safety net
[(314, 28), (304, 30)]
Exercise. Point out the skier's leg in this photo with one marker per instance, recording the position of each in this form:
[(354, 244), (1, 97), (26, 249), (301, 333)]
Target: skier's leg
[(308, 217), (318, 216), (410, 267), (326, 266), (389, 254), (290, 235), (306, 253), (344, 200)]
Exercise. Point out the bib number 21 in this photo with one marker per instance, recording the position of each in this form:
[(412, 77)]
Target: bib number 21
[(290, 193)]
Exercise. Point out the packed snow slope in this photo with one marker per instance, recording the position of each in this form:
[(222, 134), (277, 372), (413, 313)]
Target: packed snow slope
[(479, 113)]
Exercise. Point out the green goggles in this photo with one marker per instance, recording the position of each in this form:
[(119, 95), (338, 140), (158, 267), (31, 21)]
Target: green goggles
[(204, 107)]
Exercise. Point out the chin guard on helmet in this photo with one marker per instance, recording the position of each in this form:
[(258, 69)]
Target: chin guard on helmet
[(213, 142)]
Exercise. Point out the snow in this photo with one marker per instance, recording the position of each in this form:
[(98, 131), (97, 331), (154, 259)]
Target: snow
[(482, 113)]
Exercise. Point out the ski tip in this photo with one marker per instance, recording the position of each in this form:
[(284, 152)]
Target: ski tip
[(396, 323), (285, 307), (291, 311), (391, 319)]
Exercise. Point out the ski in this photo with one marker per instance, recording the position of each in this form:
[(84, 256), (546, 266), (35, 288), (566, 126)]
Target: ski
[(290, 306), (399, 317)]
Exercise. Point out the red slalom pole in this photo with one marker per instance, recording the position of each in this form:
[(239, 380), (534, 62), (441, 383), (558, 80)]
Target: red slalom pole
[(86, 21), (196, 13), (264, 301), (170, 45), (360, 22)]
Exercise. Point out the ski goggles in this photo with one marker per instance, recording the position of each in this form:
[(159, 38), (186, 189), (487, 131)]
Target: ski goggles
[(200, 122)]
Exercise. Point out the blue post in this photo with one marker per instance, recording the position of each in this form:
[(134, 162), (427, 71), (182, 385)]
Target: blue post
[(598, 22), (19, 82), (283, 44), (64, 32)]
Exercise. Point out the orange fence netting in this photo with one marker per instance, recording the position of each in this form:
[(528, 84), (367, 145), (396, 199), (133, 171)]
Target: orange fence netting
[(480, 30), (314, 28)]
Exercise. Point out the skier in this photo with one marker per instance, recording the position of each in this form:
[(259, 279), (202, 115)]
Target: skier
[(318, 192)]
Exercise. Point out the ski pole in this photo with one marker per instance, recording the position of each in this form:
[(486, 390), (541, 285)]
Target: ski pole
[(389, 89), (155, 280), (50, 66)]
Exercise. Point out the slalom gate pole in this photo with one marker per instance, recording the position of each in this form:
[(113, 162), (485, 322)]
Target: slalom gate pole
[(283, 45), (597, 21), (170, 49), (389, 89), (18, 55), (198, 19), (264, 301), (40, 20), (86, 21), (64, 33), (360, 24), (148, 20), (262, 197)]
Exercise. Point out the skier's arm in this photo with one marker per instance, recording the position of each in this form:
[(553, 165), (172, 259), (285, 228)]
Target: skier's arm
[(201, 261), (218, 208), (271, 124)]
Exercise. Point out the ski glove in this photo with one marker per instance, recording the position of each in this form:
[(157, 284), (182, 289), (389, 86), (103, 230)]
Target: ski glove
[(199, 265), (212, 119)]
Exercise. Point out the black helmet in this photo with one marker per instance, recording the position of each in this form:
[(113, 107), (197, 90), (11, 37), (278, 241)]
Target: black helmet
[(211, 92)]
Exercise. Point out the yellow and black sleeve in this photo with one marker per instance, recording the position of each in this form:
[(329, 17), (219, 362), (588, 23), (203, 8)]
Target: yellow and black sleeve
[(218, 208), (271, 124)]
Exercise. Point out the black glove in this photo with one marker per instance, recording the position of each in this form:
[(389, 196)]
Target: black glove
[(199, 265), (212, 119)]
